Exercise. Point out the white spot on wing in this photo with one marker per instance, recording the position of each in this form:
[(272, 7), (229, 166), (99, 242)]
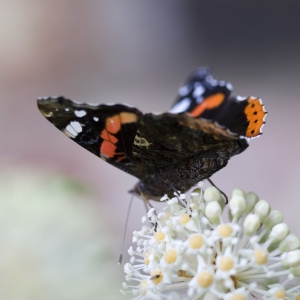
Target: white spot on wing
[(80, 113), (198, 91), (184, 90), (76, 126), (70, 131), (96, 119), (240, 98), (181, 106), (211, 80), (229, 86), (67, 109)]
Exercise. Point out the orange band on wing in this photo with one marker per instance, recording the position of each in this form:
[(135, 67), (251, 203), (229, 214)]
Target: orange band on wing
[(108, 137), (108, 149), (113, 124), (127, 117), (255, 114), (210, 102)]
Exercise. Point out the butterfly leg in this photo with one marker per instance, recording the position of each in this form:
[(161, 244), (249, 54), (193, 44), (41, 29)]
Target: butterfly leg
[(225, 196)]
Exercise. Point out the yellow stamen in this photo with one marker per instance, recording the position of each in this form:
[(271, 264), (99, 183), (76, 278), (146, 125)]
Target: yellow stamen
[(196, 241), (224, 230), (184, 219), (159, 236), (237, 297), (226, 263), (261, 256), (205, 279), (170, 256), (280, 294), (146, 258), (194, 206), (156, 276), (143, 287)]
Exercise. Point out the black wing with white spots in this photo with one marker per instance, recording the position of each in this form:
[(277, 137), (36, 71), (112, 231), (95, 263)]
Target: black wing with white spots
[(204, 97), (107, 131)]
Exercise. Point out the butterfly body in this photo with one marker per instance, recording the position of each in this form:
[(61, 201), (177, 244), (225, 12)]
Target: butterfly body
[(168, 151)]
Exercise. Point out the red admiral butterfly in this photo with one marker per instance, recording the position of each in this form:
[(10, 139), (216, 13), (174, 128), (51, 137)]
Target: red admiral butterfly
[(167, 151)]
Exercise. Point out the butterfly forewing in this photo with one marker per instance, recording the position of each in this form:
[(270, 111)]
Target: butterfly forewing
[(107, 131)]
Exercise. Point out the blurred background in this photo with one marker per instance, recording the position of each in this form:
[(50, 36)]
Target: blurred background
[(62, 209)]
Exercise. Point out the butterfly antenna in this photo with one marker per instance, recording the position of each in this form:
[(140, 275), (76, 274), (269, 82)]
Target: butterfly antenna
[(125, 228), (225, 196)]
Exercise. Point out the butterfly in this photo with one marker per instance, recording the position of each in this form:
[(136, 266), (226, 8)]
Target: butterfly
[(168, 151)]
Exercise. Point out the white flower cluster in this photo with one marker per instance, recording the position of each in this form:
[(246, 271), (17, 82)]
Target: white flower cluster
[(192, 253)]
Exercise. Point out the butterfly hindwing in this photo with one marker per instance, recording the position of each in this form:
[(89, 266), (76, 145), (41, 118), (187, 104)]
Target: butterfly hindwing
[(204, 97), (175, 151), (164, 140), (201, 91), (107, 131)]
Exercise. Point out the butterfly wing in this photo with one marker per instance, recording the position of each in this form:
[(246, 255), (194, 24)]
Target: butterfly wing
[(107, 131), (172, 150), (204, 97), (175, 151)]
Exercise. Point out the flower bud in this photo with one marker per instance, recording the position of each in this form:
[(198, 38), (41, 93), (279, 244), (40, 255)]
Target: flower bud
[(295, 272), (279, 232), (251, 200), (212, 194), (195, 196), (251, 224), (291, 259), (213, 211), (237, 205), (262, 209), (274, 218), (238, 192), (291, 242)]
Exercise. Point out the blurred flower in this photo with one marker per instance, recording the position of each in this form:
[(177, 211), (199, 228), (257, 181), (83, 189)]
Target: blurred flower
[(193, 253), (51, 242)]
